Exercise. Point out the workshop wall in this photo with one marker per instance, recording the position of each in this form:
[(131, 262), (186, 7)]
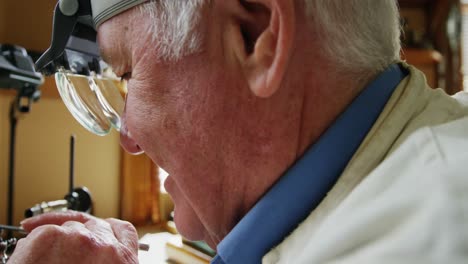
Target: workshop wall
[(2, 15), (42, 151), (42, 159), (28, 23)]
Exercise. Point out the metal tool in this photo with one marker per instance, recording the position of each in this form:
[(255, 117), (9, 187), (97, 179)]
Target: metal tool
[(5, 247), (141, 246), (77, 199)]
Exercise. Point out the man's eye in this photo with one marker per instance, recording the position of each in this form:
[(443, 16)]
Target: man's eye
[(126, 76)]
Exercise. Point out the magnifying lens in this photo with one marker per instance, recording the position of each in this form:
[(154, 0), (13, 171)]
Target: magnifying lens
[(92, 93)]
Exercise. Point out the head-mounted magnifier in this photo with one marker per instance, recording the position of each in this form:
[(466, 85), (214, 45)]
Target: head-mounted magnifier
[(89, 89)]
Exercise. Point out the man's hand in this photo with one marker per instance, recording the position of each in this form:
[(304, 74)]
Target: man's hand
[(74, 237)]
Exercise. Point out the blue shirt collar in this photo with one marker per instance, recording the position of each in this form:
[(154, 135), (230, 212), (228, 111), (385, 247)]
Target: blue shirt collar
[(305, 184)]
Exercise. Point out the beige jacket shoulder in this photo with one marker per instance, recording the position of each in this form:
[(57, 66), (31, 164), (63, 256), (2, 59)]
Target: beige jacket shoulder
[(403, 198)]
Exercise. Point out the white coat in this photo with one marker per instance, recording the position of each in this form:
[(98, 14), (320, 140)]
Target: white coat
[(403, 197)]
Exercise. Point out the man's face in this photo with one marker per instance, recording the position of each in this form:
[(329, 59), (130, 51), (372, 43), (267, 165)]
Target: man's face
[(195, 118)]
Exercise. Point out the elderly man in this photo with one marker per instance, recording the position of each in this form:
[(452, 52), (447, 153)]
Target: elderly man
[(291, 131)]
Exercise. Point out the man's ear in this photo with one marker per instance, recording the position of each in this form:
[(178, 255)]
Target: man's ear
[(268, 34)]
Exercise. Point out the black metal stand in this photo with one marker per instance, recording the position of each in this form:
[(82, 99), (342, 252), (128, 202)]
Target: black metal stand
[(17, 72), (11, 175), (71, 181)]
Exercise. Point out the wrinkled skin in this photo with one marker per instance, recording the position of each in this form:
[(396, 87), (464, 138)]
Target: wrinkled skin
[(203, 125), (75, 237)]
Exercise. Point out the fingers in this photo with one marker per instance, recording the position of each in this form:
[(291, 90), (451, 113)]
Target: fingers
[(76, 237), (125, 233), (55, 218), (73, 225), (46, 234), (102, 230)]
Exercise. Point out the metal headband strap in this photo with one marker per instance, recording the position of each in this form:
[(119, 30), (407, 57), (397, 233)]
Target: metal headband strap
[(106, 9)]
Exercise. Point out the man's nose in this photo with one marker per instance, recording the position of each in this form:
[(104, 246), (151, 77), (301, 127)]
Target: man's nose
[(126, 140)]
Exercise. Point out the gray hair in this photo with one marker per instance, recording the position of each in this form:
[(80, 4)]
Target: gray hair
[(357, 35), (173, 26)]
